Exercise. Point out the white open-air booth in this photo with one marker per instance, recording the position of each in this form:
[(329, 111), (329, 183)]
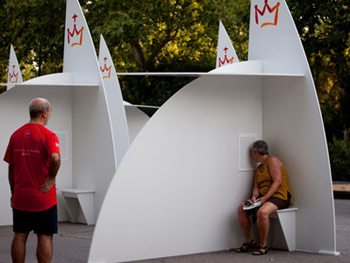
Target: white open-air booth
[(88, 116), (178, 185)]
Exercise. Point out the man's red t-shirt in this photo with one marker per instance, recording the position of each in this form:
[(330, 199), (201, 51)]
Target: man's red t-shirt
[(29, 152)]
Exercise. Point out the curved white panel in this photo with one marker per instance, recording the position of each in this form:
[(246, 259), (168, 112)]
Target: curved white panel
[(292, 122), (182, 168), (245, 67), (136, 120), (57, 78)]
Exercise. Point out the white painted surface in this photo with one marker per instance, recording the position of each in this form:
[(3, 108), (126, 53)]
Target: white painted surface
[(14, 105), (14, 72), (287, 219), (183, 166), (170, 178), (52, 79), (80, 204), (226, 54), (293, 126), (79, 52), (92, 133), (136, 119), (115, 103), (80, 110)]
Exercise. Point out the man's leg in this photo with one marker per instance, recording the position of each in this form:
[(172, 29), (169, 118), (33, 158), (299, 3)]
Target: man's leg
[(18, 247), (264, 222), (45, 248)]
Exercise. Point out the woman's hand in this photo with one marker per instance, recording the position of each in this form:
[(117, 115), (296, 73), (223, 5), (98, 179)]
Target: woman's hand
[(262, 200)]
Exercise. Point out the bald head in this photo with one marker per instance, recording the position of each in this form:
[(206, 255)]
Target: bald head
[(39, 108)]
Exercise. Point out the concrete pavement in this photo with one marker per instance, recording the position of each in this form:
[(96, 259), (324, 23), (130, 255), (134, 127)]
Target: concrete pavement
[(72, 245)]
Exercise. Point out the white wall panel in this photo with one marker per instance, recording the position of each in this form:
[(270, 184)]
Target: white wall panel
[(178, 187)]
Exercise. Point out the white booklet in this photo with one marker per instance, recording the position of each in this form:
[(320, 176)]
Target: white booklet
[(247, 205)]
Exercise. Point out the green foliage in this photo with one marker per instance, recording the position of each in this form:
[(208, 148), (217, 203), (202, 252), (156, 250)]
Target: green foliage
[(165, 36), (324, 30), (146, 33), (181, 36), (36, 30), (340, 160), (157, 35)]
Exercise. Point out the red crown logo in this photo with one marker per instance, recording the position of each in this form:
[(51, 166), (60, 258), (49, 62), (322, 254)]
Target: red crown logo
[(14, 76), (106, 72), (270, 10), (226, 60), (79, 34)]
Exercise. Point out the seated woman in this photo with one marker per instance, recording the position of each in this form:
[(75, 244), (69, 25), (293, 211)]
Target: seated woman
[(272, 189)]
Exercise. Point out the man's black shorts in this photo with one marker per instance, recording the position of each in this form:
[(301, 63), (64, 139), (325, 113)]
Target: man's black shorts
[(44, 222)]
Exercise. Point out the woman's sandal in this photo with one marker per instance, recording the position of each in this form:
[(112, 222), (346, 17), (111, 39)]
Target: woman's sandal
[(246, 246), (260, 251)]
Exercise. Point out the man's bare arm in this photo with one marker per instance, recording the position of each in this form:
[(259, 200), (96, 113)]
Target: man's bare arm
[(11, 178), (54, 166)]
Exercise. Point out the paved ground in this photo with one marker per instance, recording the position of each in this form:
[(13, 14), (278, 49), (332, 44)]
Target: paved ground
[(72, 245)]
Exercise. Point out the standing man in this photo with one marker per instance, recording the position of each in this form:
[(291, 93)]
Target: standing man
[(33, 156)]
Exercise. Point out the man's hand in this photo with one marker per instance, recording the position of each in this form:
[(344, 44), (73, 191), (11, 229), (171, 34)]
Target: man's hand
[(49, 183), (54, 165)]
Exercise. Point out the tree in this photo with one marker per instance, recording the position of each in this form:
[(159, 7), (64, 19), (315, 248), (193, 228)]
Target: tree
[(144, 30), (181, 35), (173, 35), (36, 30), (324, 30)]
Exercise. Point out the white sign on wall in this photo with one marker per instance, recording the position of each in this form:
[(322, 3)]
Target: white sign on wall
[(245, 160)]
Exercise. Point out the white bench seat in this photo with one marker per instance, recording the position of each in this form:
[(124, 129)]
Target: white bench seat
[(80, 205), (287, 219)]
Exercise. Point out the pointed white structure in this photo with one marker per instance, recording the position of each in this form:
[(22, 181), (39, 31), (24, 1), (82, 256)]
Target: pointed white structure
[(226, 53), (299, 132), (180, 183), (14, 73), (81, 118), (127, 120), (93, 135), (115, 102), (79, 48)]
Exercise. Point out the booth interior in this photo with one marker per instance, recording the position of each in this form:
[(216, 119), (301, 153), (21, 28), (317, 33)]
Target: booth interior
[(75, 111)]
